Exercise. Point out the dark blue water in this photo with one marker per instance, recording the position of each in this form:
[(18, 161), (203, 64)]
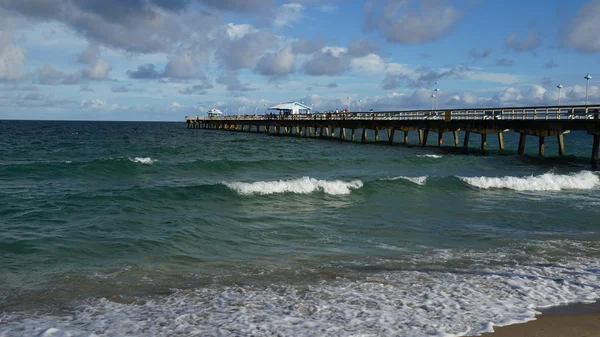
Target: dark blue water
[(152, 229)]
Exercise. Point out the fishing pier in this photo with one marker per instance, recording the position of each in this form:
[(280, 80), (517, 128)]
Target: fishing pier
[(540, 122)]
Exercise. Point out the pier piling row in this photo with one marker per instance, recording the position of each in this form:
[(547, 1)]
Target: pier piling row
[(540, 122)]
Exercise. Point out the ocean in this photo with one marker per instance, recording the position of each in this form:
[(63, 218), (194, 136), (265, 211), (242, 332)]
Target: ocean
[(152, 229)]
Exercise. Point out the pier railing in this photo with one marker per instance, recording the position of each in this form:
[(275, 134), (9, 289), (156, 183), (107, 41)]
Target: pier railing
[(516, 113)]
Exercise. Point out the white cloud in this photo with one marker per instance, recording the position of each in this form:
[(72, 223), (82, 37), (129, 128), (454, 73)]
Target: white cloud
[(288, 14), (11, 55), (277, 64), (582, 31), (236, 32), (94, 104), (421, 98), (502, 78), (402, 25), (335, 51), (11, 60), (371, 63), (530, 42), (98, 71), (327, 8)]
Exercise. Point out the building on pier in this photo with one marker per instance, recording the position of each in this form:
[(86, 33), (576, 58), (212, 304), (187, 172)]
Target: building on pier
[(214, 112), (291, 108)]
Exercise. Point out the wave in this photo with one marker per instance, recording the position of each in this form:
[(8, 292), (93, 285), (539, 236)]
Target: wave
[(436, 156), (584, 180), (416, 180), (387, 302), (304, 185), (146, 160)]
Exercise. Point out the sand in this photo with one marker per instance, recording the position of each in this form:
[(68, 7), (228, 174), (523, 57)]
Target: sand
[(580, 320)]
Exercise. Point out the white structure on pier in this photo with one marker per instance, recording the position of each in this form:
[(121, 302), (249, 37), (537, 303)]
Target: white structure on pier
[(291, 108), (214, 113)]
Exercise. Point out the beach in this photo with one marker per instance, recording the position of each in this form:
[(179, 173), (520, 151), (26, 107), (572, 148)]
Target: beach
[(115, 228), (580, 325)]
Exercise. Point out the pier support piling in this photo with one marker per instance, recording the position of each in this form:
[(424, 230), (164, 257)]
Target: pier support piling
[(483, 141), (405, 137), (542, 141), (440, 138), (391, 133), (455, 133), (466, 141), (364, 135), (500, 141), (522, 141), (595, 147), (561, 145)]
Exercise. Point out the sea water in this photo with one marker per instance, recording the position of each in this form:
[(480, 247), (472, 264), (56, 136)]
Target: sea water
[(152, 229)]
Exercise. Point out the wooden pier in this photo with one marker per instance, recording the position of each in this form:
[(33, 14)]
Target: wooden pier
[(541, 122)]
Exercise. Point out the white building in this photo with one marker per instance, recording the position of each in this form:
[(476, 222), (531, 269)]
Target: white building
[(291, 108)]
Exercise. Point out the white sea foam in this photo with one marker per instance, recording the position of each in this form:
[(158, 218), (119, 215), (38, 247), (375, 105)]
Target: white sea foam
[(583, 180), (436, 156), (416, 180), (304, 185), (417, 302), (140, 160)]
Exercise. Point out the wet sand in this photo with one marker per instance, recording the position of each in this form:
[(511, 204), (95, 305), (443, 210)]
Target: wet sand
[(578, 320)]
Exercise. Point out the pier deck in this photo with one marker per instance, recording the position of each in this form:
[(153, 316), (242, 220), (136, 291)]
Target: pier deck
[(542, 122)]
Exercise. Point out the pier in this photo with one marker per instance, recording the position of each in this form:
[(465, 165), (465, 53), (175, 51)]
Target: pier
[(540, 122)]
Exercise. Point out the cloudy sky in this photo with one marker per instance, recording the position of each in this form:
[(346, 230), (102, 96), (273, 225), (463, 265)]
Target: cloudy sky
[(164, 59)]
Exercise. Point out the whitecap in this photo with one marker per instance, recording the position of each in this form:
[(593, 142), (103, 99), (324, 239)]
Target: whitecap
[(304, 185), (388, 303), (140, 160), (583, 180), (436, 156), (416, 180)]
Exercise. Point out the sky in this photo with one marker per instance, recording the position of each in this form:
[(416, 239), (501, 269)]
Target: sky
[(161, 60)]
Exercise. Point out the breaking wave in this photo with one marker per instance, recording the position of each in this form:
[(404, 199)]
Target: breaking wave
[(304, 185), (583, 180), (140, 160), (416, 180)]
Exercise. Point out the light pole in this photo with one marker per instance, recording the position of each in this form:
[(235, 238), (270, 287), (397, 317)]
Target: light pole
[(587, 77), (360, 105), (437, 95), (432, 101), (559, 87), (265, 108), (348, 103)]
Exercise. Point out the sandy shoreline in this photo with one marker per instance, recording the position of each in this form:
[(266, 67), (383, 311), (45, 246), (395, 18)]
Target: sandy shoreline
[(575, 320)]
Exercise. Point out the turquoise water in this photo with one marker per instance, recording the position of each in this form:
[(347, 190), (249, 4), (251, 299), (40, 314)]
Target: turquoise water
[(131, 229)]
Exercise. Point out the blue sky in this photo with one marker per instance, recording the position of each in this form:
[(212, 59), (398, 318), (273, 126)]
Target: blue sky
[(162, 60)]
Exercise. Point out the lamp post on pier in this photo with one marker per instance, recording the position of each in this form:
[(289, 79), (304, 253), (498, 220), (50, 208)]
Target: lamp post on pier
[(432, 101), (360, 105), (559, 87), (587, 77)]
